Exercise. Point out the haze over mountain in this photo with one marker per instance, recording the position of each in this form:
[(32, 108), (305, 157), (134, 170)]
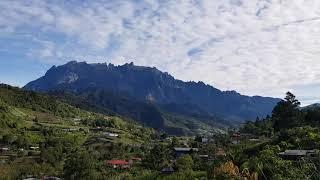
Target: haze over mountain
[(149, 85)]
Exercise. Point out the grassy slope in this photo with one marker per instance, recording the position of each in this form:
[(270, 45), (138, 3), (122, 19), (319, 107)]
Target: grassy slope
[(25, 109), (25, 118)]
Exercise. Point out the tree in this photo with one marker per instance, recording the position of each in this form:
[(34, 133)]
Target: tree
[(9, 138), (158, 157), (286, 113), (174, 142), (198, 138), (52, 155), (164, 135), (270, 166), (184, 163), (227, 170), (291, 99), (81, 165)]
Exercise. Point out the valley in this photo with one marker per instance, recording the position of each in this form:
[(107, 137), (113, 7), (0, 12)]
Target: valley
[(151, 97), (62, 135)]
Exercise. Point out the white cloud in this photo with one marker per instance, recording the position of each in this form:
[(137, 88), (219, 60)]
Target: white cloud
[(261, 47)]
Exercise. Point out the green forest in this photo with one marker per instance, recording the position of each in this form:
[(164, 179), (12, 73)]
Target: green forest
[(44, 137)]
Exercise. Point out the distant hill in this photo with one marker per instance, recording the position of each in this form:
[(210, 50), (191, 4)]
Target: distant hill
[(311, 106), (127, 88)]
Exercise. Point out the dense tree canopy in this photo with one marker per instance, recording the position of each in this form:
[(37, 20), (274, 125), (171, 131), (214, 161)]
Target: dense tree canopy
[(286, 113), (81, 165)]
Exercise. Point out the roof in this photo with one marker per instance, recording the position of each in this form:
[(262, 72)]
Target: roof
[(297, 152), (235, 135), (186, 149), (204, 156), (110, 134), (50, 178), (167, 169), (220, 152), (118, 162)]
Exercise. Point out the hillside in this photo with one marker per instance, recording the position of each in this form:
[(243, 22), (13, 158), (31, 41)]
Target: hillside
[(179, 122), (39, 129), (42, 136), (31, 108), (282, 143), (149, 87)]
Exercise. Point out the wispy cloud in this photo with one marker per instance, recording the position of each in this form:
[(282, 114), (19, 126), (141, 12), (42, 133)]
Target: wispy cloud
[(261, 47)]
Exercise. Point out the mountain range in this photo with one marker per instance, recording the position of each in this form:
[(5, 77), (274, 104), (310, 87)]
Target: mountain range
[(151, 97)]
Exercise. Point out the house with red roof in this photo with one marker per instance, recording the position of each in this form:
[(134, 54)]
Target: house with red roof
[(118, 164)]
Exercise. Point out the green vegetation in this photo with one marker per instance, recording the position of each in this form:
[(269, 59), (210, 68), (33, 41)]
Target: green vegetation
[(183, 122), (184, 163), (42, 136), (289, 128)]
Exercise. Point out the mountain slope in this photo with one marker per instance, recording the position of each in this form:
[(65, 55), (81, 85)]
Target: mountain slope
[(38, 133), (21, 110), (145, 84), (311, 106), (181, 122)]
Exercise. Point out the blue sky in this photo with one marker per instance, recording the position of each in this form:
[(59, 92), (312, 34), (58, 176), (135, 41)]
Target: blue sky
[(256, 47)]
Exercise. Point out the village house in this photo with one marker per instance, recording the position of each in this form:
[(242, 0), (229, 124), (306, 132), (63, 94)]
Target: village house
[(297, 154), (118, 164), (254, 140), (76, 121), (136, 159), (204, 156), (220, 153), (235, 141), (70, 130), (136, 145), (50, 178), (178, 151), (110, 134), (204, 140), (30, 178), (4, 149), (34, 147), (236, 138), (167, 170), (96, 129)]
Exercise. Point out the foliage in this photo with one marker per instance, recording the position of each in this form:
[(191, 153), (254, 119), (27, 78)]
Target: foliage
[(300, 138), (35, 101), (60, 142), (286, 113), (184, 163), (228, 168), (262, 127), (270, 166), (158, 157), (81, 165), (41, 120)]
